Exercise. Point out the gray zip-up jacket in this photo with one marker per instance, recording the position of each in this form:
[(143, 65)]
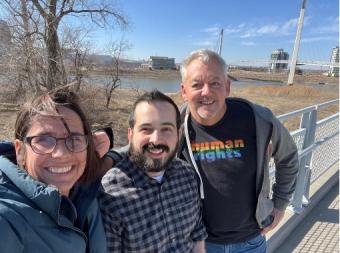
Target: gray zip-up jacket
[(272, 140)]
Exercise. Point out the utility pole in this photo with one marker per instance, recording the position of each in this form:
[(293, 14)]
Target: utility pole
[(296, 44), (220, 53)]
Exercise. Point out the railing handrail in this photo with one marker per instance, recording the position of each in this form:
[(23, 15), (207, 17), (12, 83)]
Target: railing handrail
[(288, 115), (312, 147), (326, 104), (327, 119)]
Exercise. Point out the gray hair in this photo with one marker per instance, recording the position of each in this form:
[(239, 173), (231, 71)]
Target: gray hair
[(203, 55)]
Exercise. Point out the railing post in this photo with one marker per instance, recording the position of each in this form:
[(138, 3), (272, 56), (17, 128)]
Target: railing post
[(301, 195), (311, 140)]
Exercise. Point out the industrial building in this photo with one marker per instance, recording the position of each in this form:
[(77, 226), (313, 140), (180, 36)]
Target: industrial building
[(334, 71), (160, 62), (277, 56)]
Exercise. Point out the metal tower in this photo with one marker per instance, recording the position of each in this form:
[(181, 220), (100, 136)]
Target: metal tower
[(220, 42), (296, 44)]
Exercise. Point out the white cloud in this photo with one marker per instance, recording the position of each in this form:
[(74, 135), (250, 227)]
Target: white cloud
[(244, 30), (205, 43), (211, 35), (260, 31), (231, 30), (320, 38), (267, 29), (248, 43), (247, 35), (279, 29), (307, 20), (212, 30), (315, 39), (331, 26), (289, 26)]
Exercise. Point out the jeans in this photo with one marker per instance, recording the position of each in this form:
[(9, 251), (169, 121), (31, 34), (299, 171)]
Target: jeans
[(254, 245)]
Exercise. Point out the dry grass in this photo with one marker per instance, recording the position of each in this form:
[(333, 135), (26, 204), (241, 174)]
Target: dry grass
[(280, 99), (306, 77), (93, 100), (283, 99)]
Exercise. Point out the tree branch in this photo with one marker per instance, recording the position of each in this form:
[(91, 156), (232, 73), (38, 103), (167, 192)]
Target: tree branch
[(103, 12), (40, 8)]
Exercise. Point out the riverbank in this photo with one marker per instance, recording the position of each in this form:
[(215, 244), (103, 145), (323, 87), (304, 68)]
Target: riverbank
[(138, 72), (238, 74), (306, 77), (280, 99)]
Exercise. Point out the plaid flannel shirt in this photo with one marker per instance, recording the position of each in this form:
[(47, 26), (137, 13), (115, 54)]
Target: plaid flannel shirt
[(142, 215)]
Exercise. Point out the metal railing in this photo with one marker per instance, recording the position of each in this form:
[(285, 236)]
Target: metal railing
[(317, 143)]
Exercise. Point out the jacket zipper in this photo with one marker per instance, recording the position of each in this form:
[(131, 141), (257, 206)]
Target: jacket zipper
[(71, 228)]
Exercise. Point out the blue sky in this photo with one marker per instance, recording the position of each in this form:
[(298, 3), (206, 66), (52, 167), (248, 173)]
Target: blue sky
[(252, 29)]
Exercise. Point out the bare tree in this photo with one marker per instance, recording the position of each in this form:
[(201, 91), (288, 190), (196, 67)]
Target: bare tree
[(25, 38), (76, 48), (51, 12), (116, 51)]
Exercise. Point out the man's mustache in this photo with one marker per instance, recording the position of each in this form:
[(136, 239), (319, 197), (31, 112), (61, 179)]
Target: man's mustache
[(151, 145)]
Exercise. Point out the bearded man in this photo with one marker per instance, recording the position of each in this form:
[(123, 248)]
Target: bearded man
[(150, 199)]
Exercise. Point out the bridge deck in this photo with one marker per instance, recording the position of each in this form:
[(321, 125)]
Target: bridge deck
[(319, 230)]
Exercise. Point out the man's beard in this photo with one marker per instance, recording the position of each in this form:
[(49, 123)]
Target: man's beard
[(147, 164)]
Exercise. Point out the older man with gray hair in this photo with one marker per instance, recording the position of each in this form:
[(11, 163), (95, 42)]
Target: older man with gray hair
[(229, 142)]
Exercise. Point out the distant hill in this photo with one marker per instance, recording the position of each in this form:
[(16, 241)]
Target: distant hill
[(99, 59)]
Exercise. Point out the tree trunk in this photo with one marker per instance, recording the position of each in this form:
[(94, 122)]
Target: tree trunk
[(62, 71), (108, 97), (28, 50), (52, 57), (109, 93)]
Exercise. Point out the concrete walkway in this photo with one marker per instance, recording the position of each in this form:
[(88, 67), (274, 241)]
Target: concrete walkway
[(319, 230)]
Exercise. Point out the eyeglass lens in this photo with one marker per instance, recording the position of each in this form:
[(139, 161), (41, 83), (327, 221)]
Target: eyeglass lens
[(46, 144)]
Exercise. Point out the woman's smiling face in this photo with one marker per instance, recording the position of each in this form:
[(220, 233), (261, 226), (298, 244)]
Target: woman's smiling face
[(61, 168)]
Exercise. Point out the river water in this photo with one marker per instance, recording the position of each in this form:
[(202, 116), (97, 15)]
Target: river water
[(167, 85)]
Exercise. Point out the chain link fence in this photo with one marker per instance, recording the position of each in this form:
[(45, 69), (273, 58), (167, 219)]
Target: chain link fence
[(327, 153), (317, 143)]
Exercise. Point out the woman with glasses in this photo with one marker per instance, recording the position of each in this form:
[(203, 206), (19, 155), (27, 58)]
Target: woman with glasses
[(48, 201)]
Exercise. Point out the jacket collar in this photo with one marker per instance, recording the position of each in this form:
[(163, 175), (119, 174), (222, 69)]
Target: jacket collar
[(48, 199), (42, 196)]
